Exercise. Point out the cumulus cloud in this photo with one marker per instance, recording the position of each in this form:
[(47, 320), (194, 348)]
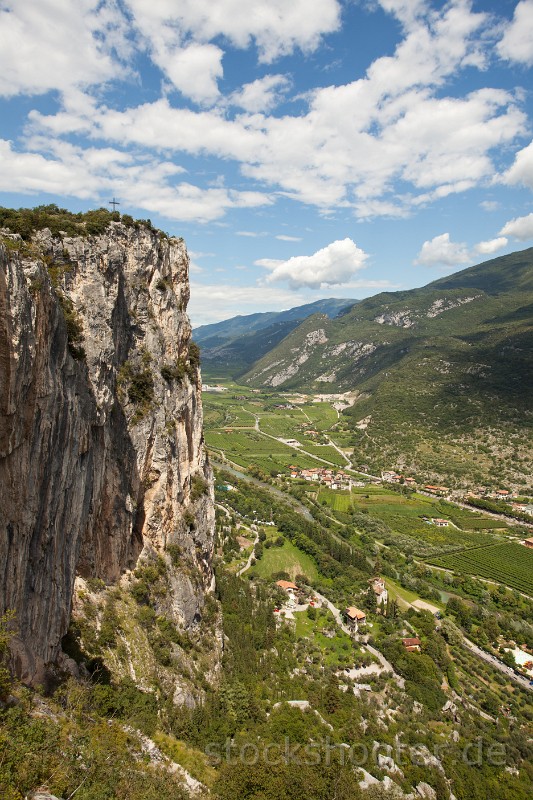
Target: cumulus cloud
[(275, 26), (142, 182), (333, 265), (517, 41), (261, 95), (57, 44), (195, 70), (442, 252), (520, 228), (491, 246), (521, 172)]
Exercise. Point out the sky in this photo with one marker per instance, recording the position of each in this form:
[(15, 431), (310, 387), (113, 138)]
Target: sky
[(333, 148)]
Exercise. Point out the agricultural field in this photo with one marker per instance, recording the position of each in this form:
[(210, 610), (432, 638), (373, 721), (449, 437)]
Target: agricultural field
[(287, 558), (337, 501), (402, 515), (509, 563), (321, 415), (471, 520), (326, 452), (230, 419), (250, 447)]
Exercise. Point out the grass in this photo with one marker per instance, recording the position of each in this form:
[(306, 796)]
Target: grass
[(285, 559), (397, 592), (510, 564), (403, 514), (337, 501), (336, 650), (194, 761)]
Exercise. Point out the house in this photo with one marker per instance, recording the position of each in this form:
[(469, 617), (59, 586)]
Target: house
[(379, 589), (354, 618), (438, 490), (287, 586), (440, 523), (412, 644), (528, 542), (388, 476)]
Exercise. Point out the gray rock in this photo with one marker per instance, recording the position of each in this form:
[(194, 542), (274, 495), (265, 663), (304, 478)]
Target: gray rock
[(86, 482)]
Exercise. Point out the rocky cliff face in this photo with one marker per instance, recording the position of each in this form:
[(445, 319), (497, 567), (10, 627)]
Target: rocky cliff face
[(101, 449)]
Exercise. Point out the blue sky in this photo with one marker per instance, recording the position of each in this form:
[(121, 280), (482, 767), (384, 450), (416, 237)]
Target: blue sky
[(302, 149)]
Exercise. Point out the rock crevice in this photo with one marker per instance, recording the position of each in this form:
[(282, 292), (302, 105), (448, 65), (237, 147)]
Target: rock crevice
[(100, 426)]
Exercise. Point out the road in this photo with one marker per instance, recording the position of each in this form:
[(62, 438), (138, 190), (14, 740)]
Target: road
[(499, 665), (381, 658), (524, 682), (250, 557)]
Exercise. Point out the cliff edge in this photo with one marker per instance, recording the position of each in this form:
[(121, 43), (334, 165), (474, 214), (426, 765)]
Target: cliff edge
[(101, 451)]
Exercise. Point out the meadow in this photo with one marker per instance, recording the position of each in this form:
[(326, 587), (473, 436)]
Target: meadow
[(287, 558)]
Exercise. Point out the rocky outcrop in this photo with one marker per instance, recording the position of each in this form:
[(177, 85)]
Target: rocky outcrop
[(101, 449)]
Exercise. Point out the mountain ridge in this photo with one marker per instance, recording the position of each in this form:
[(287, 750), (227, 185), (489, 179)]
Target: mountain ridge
[(442, 360), (232, 346)]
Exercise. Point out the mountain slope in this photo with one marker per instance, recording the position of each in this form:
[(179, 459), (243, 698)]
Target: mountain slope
[(232, 346), (449, 364), (244, 324)]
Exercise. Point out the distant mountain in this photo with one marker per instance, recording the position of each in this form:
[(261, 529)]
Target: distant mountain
[(444, 373), (230, 347)]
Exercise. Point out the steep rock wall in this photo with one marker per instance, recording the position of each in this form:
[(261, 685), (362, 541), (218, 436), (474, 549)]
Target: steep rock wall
[(101, 453)]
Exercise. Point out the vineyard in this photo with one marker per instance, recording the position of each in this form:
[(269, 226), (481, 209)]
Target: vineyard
[(510, 564)]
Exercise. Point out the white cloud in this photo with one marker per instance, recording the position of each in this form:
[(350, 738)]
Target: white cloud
[(276, 26), (405, 10), (521, 171), (356, 141), (441, 252), (195, 70), (284, 238), (261, 95), (57, 44), (520, 228), (491, 246), (490, 205), (333, 265), (517, 42), (215, 302), (141, 182)]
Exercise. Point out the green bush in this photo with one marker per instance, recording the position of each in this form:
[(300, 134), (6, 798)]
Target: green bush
[(199, 487), (173, 372)]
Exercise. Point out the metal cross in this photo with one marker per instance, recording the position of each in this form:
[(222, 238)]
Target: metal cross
[(114, 203)]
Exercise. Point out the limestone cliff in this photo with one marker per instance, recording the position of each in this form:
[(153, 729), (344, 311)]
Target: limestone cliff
[(101, 449)]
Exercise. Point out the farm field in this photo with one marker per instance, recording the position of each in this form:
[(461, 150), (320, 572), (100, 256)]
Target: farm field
[(229, 423), (287, 558), (402, 513), (251, 447), (337, 501), (326, 452), (509, 563)]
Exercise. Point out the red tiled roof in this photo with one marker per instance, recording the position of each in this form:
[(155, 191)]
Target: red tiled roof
[(413, 642), (286, 585), (355, 613)]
